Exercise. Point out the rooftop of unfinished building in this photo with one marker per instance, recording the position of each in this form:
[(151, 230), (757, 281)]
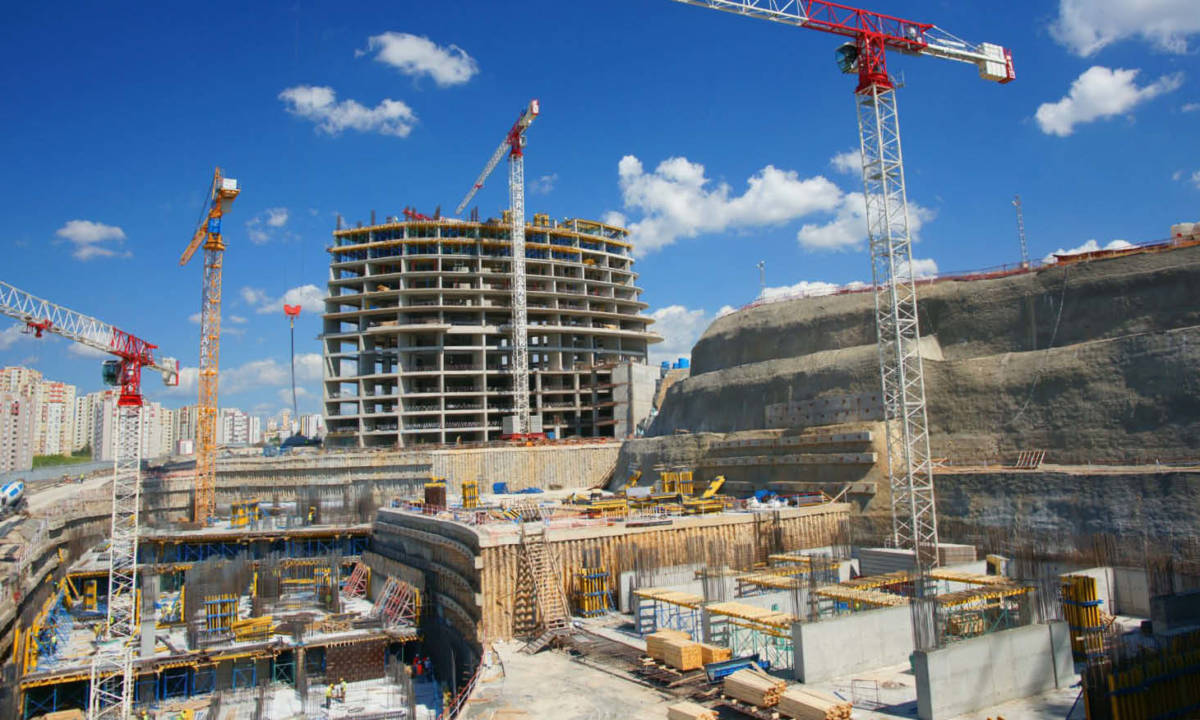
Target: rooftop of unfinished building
[(491, 228), (564, 521)]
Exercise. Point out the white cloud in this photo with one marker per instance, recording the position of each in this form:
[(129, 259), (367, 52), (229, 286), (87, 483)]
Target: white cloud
[(319, 104), (237, 320), (11, 335), (849, 162), (680, 327), (726, 310), (678, 200), (261, 228), (415, 55), (1196, 179), (194, 318), (807, 288), (93, 239), (1087, 247), (1190, 107), (285, 394), (1098, 93), (309, 297), (543, 185), (270, 372), (921, 268), (848, 229), (612, 217), (86, 351), (1086, 26)]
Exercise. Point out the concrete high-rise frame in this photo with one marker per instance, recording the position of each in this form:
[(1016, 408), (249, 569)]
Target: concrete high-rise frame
[(417, 331)]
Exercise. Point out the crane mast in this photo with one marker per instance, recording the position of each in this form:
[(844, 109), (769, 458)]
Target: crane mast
[(910, 472), (208, 233), (111, 673), (513, 145)]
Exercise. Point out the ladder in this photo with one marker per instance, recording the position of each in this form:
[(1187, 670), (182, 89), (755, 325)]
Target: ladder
[(356, 585), (554, 619)]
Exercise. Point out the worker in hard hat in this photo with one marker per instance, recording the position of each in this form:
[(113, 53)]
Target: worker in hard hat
[(328, 696), (343, 690)]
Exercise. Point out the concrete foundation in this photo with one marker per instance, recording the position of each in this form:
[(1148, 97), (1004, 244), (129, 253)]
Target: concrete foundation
[(853, 643), (992, 669)]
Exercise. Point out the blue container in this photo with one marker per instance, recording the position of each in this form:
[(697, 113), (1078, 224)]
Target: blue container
[(666, 364), (499, 488), (550, 435), (684, 363)]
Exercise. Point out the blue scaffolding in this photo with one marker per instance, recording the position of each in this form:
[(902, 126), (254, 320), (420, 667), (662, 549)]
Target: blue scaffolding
[(658, 608)]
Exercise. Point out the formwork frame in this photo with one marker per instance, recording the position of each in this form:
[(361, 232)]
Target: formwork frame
[(658, 609)]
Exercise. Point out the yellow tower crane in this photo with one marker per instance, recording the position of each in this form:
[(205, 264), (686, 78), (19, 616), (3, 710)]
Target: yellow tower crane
[(208, 233)]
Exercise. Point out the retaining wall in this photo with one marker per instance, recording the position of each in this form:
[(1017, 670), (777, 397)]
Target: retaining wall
[(860, 641), (991, 669)]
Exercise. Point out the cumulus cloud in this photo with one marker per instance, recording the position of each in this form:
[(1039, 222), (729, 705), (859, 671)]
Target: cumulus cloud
[(921, 268), (677, 200), (680, 327), (194, 318), (1086, 26), (415, 56), (309, 297), (270, 372), (263, 227), (1087, 247), (807, 288), (86, 351), (848, 228), (1098, 93), (1190, 107), (11, 335), (320, 105), (543, 185), (93, 239), (849, 162), (1196, 179)]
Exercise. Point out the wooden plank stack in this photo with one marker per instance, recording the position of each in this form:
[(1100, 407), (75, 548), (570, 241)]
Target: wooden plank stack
[(675, 649), (690, 711), (755, 687), (805, 704), (714, 653)]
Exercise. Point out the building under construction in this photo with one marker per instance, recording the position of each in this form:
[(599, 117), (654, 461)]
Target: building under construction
[(418, 343)]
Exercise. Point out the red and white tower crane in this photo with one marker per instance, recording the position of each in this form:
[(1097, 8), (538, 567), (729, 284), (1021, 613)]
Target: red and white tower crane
[(513, 145), (112, 667), (872, 35)]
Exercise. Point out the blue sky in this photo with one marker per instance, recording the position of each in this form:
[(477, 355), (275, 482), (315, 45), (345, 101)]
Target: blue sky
[(664, 113)]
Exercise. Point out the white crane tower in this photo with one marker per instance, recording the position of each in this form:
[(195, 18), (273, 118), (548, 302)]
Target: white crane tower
[(513, 145), (914, 514)]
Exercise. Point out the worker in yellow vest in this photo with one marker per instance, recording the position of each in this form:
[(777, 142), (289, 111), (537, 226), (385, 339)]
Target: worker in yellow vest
[(343, 690), (328, 696)]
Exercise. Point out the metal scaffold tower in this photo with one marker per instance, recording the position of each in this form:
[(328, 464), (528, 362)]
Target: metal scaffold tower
[(221, 195), (111, 672), (513, 145), (1021, 231), (914, 513)]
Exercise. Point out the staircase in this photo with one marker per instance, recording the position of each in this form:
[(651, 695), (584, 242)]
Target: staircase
[(554, 618)]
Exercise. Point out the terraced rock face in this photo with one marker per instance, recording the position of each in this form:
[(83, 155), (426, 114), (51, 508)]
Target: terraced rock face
[(1092, 362)]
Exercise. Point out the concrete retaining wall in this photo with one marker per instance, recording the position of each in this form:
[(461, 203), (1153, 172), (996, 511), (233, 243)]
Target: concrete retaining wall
[(992, 669), (850, 644)]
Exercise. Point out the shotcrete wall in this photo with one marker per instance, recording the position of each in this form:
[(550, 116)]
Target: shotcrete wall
[(1092, 361)]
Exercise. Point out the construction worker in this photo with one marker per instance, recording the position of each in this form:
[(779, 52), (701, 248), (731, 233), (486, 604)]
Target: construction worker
[(418, 667), (312, 513), (343, 690), (328, 696)]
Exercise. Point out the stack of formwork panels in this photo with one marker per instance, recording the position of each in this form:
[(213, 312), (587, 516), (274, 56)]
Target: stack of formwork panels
[(805, 704), (755, 687)]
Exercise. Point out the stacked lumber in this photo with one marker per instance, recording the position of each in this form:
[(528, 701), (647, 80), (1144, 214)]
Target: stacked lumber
[(755, 687), (804, 704), (674, 648), (690, 711), (714, 653)]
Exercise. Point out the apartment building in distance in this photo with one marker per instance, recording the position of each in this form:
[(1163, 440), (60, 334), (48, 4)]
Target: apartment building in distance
[(17, 423), (417, 332)]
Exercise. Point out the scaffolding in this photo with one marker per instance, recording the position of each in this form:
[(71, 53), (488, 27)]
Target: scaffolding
[(747, 630), (659, 608)]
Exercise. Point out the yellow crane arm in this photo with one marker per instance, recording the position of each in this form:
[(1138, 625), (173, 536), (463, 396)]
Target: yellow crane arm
[(192, 247)]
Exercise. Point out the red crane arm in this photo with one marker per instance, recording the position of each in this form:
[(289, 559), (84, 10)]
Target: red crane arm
[(873, 33)]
